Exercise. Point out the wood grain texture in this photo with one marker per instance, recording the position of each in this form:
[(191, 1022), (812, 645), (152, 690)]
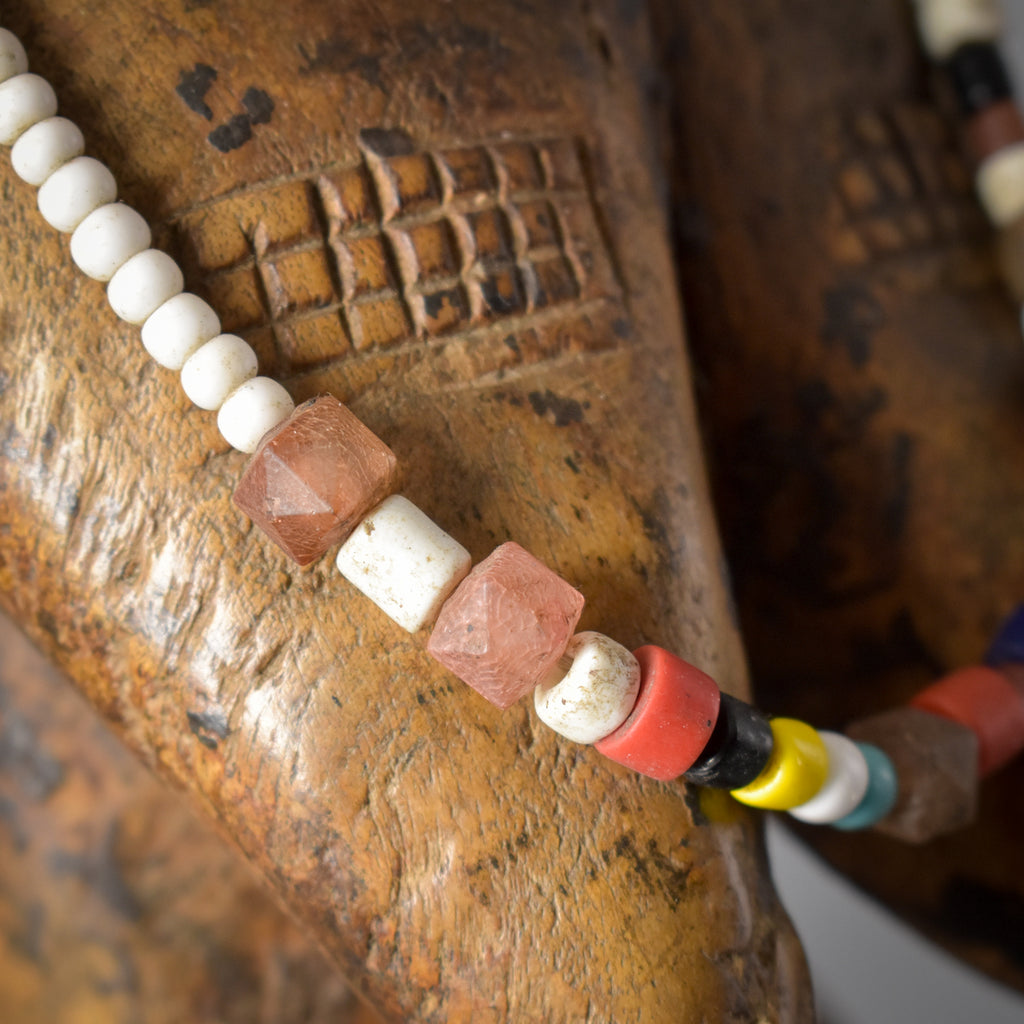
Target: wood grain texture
[(118, 902), (864, 382), (450, 220)]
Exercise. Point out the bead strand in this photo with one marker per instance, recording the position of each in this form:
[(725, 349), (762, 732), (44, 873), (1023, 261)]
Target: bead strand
[(961, 36), (110, 242), (318, 477)]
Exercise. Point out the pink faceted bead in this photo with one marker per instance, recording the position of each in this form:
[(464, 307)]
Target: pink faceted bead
[(506, 625), (313, 477)]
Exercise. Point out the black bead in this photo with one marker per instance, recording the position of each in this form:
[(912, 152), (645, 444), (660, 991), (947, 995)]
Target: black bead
[(979, 76), (738, 749)]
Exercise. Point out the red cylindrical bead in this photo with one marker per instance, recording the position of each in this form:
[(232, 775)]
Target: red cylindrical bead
[(987, 703), (672, 720)]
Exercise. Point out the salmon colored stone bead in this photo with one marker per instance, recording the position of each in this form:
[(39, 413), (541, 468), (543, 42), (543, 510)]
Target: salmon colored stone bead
[(313, 478), (506, 625), (985, 701), (795, 772), (672, 720)]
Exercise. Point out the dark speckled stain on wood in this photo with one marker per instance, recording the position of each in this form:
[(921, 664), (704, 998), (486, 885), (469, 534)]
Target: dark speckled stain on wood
[(193, 86), (852, 315), (564, 410), (387, 141), (99, 869), (208, 726), (653, 868), (258, 107)]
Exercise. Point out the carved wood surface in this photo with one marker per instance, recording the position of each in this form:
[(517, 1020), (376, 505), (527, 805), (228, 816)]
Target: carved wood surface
[(119, 903), (864, 379), (449, 219)]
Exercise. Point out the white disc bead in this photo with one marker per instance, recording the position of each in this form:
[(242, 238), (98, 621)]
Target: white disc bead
[(143, 284), (175, 330), (73, 191), (251, 410), (403, 562), (24, 101), (844, 786), (45, 147), (107, 239), (593, 696), (1000, 183), (945, 25), (216, 369), (13, 60)]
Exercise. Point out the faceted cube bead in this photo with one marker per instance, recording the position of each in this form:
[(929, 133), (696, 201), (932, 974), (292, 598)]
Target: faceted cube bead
[(313, 477), (795, 772), (936, 762), (738, 749), (844, 786), (506, 625), (593, 694), (985, 701), (403, 562), (672, 720), (880, 796)]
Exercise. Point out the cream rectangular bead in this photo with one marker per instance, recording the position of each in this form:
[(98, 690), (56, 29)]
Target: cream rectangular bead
[(403, 562)]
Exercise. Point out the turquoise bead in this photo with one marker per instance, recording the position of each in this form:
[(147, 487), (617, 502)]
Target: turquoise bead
[(878, 801)]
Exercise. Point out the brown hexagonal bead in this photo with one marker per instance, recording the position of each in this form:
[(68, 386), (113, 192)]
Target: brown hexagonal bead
[(936, 763), (313, 478)]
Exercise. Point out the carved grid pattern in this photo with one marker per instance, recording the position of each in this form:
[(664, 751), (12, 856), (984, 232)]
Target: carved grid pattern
[(401, 248), (901, 186)]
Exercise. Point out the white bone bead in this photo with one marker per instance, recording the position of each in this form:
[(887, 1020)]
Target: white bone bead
[(107, 239), (945, 25), (45, 147), (13, 60), (175, 330), (24, 101), (593, 696), (251, 410), (403, 562), (216, 369), (1000, 183), (143, 285), (73, 191), (844, 786)]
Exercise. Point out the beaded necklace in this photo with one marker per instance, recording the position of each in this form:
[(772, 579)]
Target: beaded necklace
[(318, 478)]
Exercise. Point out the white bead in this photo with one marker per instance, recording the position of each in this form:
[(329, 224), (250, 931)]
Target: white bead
[(45, 147), (403, 562), (1000, 183), (143, 285), (215, 369), (24, 100), (844, 786), (13, 60), (593, 696), (107, 239), (945, 25), (174, 331), (73, 191), (251, 410)]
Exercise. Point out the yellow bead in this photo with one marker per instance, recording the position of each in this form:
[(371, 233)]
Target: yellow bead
[(795, 771)]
